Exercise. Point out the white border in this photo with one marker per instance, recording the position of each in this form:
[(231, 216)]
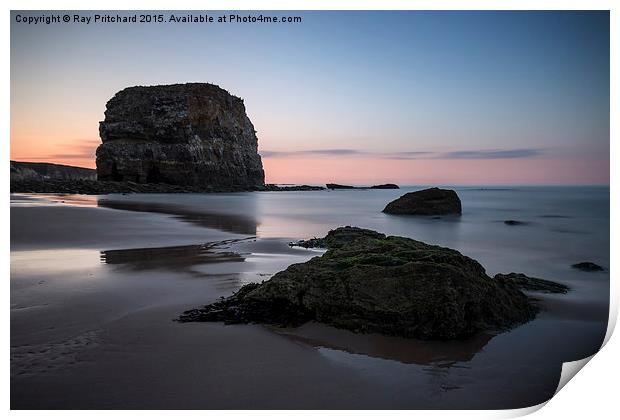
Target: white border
[(593, 394)]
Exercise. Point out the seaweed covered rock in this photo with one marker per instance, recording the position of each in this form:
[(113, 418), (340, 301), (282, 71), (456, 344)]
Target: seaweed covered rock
[(369, 282), (533, 284), (429, 202)]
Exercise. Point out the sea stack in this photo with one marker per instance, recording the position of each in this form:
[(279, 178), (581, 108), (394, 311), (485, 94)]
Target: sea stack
[(184, 134), (429, 202)]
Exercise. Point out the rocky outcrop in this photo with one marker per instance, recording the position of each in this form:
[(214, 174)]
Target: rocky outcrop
[(350, 187), (367, 282), (274, 187), (194, 134), (339, 187), (429, 202), (25, 171), (385, 187)]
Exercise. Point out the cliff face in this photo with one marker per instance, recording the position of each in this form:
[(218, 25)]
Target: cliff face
[(186, 134)]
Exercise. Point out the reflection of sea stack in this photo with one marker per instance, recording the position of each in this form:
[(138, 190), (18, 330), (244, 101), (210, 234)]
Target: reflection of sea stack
[(429, 202), (185, 134)]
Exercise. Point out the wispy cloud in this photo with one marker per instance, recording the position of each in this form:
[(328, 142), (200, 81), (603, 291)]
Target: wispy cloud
[(75, 152), (411, 155), (492, 154), (77, 149), (318, 152)]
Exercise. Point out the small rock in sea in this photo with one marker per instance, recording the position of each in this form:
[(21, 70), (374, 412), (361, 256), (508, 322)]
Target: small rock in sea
[(429, 202), (587, 266), (339, 187), (369, 282), (514, 222), (273, 187), (385, 187)]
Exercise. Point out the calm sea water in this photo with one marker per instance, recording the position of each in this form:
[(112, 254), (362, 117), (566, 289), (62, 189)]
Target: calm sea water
[(562, 225)]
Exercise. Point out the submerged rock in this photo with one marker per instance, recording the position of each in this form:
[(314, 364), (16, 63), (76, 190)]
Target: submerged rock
[(587, 266), (369, 282), (194, 134), (429, 202), (514, 222)]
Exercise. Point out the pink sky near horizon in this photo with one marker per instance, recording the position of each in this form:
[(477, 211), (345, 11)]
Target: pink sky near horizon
[(360, 170), (436, 171)]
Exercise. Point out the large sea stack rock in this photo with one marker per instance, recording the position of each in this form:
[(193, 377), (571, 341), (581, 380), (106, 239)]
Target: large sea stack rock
[(186, 134), (367, 282), (429, 202)]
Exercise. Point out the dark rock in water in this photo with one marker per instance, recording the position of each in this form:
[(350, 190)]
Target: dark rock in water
[(587, 266), (338, 187), (194, 134), (273, 187), (367, 282), (385, 187), (523, 282), (429, 202), (40, 171), (514, 223)]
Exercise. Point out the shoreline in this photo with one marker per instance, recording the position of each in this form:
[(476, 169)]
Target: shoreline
[(93, 187)]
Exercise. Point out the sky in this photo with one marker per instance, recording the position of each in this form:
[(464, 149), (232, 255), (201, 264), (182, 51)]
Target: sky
[(416, 97)]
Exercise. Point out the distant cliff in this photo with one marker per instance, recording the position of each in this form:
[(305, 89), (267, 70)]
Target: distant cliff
[(193, 134), (22, 171)]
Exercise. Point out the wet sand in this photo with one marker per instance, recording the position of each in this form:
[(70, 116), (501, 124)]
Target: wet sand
[(94, 291)]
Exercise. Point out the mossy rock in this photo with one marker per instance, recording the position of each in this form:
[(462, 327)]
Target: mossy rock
[(369, 282)]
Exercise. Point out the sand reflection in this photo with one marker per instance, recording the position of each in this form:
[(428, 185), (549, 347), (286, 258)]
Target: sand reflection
[(444, 354), (225, 222), (172, 257)]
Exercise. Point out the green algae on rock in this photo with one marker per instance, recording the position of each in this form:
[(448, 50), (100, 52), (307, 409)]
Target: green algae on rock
[(369, 282)]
